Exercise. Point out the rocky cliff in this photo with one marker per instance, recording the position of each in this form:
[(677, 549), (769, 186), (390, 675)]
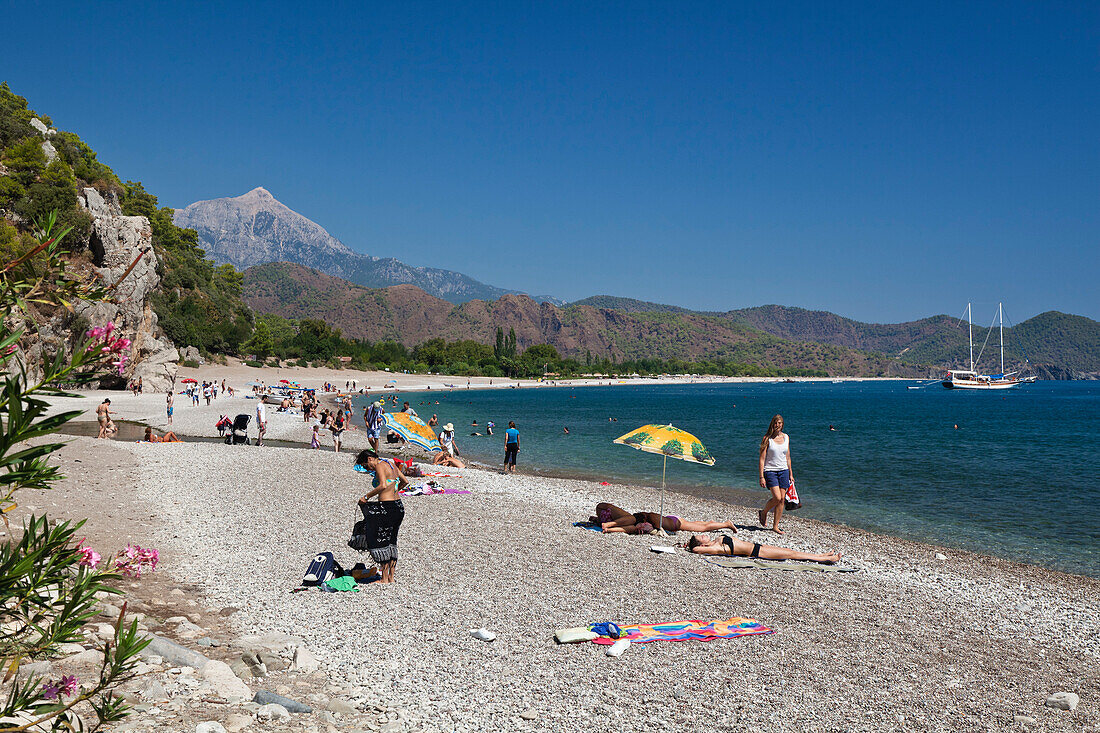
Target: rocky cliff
[(117, 241)]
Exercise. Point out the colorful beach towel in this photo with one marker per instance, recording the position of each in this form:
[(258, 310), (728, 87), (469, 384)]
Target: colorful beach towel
[(423, 490), (751, 562), (730, 628), (588, 525)]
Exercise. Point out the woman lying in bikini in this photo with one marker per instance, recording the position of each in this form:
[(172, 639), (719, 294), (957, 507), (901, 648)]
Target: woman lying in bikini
[(613, 519), (169, 437), (726, 545)]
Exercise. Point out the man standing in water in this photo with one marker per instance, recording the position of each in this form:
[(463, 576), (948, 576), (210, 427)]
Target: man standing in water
[(103, 414)]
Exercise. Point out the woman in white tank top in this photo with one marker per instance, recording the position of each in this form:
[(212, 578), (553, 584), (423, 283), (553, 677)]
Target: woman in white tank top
[(776, 474)]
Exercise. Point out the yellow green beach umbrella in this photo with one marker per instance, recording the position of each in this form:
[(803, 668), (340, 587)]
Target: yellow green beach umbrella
[(669, 442)]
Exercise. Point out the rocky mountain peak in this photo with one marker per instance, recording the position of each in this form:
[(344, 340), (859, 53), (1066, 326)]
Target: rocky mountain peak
[(255, 228)]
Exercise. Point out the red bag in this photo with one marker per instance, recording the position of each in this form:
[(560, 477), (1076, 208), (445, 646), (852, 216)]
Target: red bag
[(792, 501)]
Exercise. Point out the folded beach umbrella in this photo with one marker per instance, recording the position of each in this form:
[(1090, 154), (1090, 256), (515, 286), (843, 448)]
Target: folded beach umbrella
[(189, 380), (669, 442), (412, 429)]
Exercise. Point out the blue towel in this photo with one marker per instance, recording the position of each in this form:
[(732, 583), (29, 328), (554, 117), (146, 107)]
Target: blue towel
[(588, 525)]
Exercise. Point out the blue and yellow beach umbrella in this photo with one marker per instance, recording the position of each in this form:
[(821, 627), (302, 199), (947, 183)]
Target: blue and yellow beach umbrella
[(413, 429)]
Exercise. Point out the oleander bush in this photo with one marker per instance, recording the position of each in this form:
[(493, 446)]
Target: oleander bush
[(49, 581)]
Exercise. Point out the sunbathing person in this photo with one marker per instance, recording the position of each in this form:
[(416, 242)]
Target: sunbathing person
[(442, 458), (726, 545), (169, 437), (613, 519)]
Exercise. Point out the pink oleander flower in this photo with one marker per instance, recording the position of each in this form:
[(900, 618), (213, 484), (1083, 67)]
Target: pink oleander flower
[(110, 326), (68, 685), (89, 558), (50, 690)]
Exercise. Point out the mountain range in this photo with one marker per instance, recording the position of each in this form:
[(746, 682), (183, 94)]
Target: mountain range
[(1058, 345), (295, 268), (257, 228)]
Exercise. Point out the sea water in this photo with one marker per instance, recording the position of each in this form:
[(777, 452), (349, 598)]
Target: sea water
[(1019, 477)]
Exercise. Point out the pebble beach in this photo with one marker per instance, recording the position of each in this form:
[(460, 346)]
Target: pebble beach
[(920, 638)]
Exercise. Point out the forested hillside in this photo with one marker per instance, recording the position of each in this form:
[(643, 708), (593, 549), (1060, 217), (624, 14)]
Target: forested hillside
[(43, 169)]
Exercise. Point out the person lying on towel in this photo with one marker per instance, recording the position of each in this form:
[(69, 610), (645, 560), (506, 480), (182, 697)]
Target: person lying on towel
[(613, 519), (726, 545), (169, 437)]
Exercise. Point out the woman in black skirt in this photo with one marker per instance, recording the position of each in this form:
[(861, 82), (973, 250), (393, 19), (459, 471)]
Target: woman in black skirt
[(383, 517)]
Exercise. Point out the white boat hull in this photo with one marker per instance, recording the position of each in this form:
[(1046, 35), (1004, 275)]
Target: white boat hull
[(965, 384)]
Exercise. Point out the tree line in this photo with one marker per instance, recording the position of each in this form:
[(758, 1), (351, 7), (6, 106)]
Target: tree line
[(311, 342)]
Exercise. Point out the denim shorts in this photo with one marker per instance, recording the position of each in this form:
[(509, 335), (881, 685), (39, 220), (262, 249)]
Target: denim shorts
[(782, 479)]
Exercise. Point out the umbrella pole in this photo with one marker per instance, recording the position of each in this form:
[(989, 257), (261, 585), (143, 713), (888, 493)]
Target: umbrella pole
[(661, 514)]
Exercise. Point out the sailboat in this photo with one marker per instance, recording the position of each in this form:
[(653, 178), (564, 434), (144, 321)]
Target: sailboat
[(969, 378)]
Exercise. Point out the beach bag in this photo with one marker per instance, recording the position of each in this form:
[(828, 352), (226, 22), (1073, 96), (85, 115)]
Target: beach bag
[(358, 541), (323, 567), (792, 501)]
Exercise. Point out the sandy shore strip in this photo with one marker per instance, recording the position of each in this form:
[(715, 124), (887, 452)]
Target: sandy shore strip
[(907, 643)]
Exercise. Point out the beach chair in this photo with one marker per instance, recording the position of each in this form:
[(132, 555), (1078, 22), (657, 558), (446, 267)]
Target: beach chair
[(239, 433)]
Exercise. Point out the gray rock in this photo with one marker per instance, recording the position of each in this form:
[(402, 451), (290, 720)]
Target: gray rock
[(154, 692), (272, 662), (237, 722), (304, 661), (530, 714), (1025, 719), (188, 630), (86, 658), (225, 683), (70, 648), (343, 707), (208, 642), (255, 666), (40, 669), (941, 556), (1063, 700), (50, 151), (266, 697), (326, 716), (391, 726), (241, 669), (40, 126), (273, 642), (172, 653), (273, 712), (210, 726)]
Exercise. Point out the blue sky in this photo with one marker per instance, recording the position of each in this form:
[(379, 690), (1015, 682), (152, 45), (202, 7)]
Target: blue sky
[(885, 163)]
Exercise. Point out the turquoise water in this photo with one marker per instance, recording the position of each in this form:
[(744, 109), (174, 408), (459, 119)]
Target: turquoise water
[(1020, 478)]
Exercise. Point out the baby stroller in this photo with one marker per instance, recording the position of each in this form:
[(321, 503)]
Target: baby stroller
[(239, 433)]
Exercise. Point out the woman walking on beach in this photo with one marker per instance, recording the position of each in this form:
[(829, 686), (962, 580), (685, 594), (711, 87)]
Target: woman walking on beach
[(511, 446), (775, 471), (383, 517)]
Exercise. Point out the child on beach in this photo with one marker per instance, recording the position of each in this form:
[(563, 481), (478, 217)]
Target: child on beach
[(315, 441)]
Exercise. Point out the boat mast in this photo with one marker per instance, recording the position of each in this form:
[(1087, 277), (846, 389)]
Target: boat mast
[(1001, 318), (970, 320)]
